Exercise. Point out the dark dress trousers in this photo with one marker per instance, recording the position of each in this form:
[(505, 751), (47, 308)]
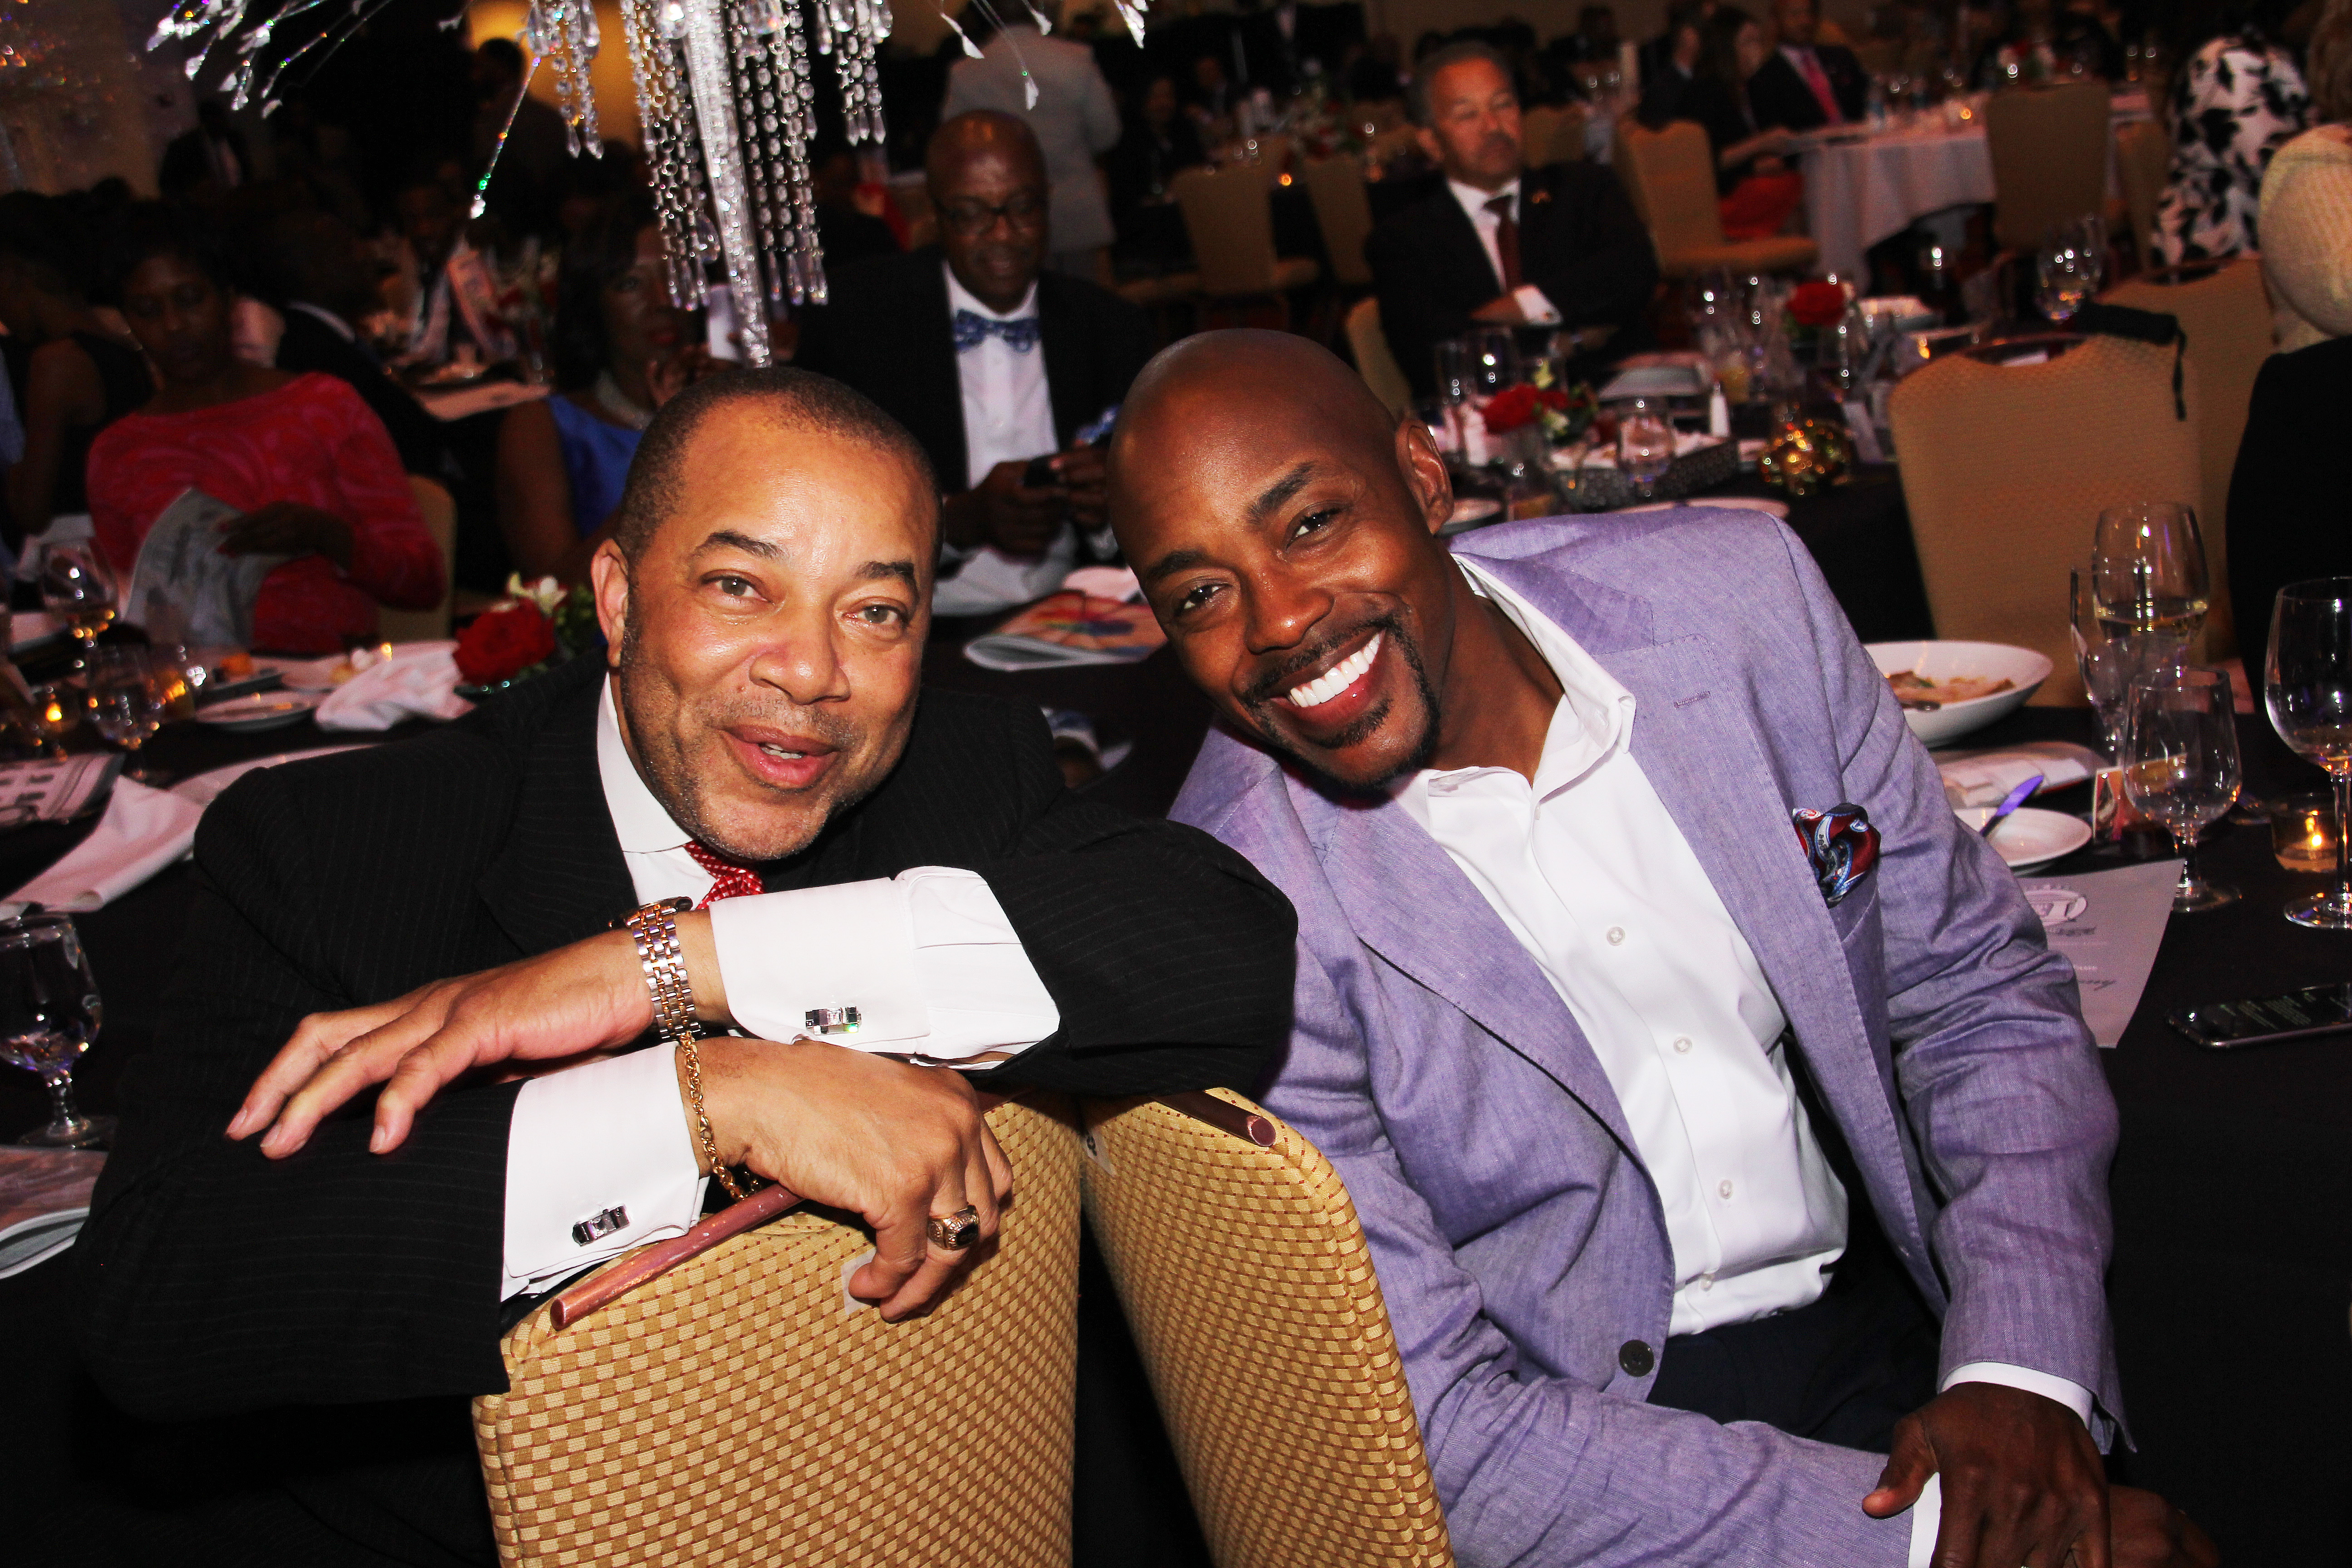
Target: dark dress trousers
[(1780, 96), (309, 344), (2290, 514), (887, 332), (353, 1298), (1579, 241)]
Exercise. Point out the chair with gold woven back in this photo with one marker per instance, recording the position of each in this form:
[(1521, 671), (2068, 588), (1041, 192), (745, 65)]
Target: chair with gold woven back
[(1343, 211), (2143, 163), (1229, 216), (1247, 1281), (1374, 360), (741, 1409), (1670, 176), (2226, 312), (2007, 462), (2048, 149), (440, 513)]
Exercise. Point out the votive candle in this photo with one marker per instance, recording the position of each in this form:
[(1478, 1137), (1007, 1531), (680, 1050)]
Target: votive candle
[(2303, 834)]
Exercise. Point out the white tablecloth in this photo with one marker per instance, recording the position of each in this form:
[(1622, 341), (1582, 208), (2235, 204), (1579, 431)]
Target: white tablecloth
[(1859, 193)]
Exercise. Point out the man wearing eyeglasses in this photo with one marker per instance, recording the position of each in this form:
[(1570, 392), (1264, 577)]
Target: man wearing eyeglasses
[(1004, 372)]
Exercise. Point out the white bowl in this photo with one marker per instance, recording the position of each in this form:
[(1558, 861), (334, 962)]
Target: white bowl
[(2024, 668)]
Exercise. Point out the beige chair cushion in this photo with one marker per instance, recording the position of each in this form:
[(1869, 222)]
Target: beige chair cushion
[(1343, 211), (737, 1411), (2143, 162), (1670, 174), (2049, 148), (1229, 216), (2007, 467), (1374, 362)]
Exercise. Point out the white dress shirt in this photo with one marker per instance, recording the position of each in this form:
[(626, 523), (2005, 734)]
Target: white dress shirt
[(1532, 302), (928, 958), (1591, 872), (1008, 418)]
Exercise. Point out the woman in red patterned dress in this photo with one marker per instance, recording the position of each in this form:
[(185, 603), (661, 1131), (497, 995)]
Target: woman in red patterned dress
[(305, 461)]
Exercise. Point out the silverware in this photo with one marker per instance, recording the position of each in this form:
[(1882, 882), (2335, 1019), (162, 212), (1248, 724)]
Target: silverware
[(2009, 802)]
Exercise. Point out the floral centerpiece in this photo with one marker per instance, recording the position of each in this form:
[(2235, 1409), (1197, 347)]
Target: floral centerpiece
[(535, 627), (1561, 413)]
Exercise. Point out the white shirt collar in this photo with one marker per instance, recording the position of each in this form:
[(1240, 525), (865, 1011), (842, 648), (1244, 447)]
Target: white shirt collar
[(1796, 52), (341, 328), (1473, 200), (641, 822), (1595, 720), (963, 299)]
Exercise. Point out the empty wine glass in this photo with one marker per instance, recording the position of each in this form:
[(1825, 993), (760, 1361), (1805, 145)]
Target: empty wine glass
[(1494, 362), (79, 587), (2148, 570), (50, 1013), (124, 706), (1453, 357), (2307, 687), (1645, 445), (2180, 766), (2067, 268)]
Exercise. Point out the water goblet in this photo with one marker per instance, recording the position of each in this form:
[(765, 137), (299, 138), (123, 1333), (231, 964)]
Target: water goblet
[(1645, 445), (2307, 688), (79, 587), (2180, 766), (50, 1012), (124, 706)]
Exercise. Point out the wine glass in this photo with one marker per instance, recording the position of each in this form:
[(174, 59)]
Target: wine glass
[(2109, 659), (2067, 268), (79, 587), (50, 1012), (1494, 362), (1645, 445), (1453, 356), (2148, 570), (2180, 765), (124, 706), (2307, 686)]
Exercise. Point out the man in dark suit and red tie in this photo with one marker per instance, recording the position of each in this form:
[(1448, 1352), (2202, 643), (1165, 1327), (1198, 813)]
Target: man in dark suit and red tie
[(1558, 247), (1806, 85)]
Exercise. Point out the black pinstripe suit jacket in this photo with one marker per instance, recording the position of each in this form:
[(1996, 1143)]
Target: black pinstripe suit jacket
[(216, 1281)]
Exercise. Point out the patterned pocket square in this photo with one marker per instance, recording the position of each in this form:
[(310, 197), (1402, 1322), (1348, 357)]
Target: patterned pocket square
[(1842, 844)]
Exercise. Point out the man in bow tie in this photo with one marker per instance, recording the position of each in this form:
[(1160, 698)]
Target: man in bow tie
[(1728, 1141), (992, 364)]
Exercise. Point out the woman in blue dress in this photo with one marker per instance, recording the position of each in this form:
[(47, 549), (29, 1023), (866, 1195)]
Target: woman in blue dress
[(621, 351)]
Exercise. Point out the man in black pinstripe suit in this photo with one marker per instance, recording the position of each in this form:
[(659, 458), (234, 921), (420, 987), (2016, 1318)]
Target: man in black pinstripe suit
[(424, 910)]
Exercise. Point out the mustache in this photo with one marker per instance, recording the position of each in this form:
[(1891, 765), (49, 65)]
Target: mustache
[(1278, 680)]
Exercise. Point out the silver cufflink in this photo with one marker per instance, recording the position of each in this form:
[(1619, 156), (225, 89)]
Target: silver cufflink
[(830, 1020), (596, 1226)]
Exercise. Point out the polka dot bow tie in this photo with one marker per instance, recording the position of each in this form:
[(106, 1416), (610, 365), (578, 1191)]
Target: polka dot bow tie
[(729, 879), (973, 329)]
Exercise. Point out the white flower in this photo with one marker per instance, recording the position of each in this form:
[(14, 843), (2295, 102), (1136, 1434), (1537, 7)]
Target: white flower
[(547, 592)]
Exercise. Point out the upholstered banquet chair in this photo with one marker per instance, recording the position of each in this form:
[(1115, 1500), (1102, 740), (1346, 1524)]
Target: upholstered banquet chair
[(2143, 163), (1374, 362), (1670, 176), (1548, 135), (2007, 465), (741, 1409), (1343, 211), (440, 513), (2226, 312), (2048, 149), (1229, 216), (1246, 1280)]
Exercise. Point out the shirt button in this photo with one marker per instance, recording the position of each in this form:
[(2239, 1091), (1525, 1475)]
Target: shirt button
[(1616, 935), (1636, 1358), (1707, 1281), (1724, 1188), (1682, 1046)]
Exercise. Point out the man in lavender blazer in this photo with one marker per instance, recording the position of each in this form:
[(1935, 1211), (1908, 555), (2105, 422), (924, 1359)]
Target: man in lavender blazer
[(1286, 530)]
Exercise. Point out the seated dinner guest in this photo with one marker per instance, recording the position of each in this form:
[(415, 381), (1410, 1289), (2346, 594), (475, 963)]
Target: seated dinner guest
[(992, 363), (300, 456), (2237, 99), (2306, 201), (621, 351), (757, 753), (1729, 1144), (1804, 85), (1756, 188), (1558, 245)]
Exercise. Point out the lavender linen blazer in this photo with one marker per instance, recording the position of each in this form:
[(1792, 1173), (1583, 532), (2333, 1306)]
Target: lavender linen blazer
[(1518, 1238)]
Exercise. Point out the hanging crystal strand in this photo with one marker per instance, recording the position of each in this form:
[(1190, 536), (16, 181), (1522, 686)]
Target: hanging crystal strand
[(752, 26), (565, 32), (713, 89), (804, 259), (653, 28)]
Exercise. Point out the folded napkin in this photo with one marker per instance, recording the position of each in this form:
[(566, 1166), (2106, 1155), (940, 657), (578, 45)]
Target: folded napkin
[(143, 831), (419, 680), (1983, 778)]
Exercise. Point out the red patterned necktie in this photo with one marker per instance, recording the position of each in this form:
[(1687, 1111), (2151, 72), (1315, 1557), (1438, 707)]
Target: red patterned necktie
[(1818, 79), (1507, 242), (730, 879)]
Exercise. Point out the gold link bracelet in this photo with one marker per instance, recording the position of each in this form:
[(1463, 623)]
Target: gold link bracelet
[(654, 929)]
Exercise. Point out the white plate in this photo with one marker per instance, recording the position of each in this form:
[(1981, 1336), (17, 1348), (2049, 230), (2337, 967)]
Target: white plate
[(261, 710), (206, 788), (2030, 836), (2025, 668), (1764, 504)]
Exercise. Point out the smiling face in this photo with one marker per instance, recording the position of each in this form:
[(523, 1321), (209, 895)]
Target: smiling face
[(770, 633), (988, 181), (1286, 533)]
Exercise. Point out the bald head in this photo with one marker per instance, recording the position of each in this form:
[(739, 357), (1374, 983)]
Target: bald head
[(1284, 527), (988, 185)]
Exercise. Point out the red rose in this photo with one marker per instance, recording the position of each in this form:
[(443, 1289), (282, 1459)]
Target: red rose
[(1817, 304), (1510, 408), (504, 642)]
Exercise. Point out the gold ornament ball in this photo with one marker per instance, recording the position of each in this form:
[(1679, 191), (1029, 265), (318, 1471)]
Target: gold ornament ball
[(1807, 455)]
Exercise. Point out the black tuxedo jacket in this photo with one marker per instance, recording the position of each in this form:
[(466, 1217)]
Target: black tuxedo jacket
[(309, 344), (214, 1281), (1579, 241), (885, 331), (1779, 97)]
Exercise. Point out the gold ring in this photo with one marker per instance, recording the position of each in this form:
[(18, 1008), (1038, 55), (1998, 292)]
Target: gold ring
[(954, 1231)]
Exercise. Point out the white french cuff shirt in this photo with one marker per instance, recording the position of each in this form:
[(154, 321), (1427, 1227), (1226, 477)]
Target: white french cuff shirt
[(1533, 303), (1593, 875), (927, 957)]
